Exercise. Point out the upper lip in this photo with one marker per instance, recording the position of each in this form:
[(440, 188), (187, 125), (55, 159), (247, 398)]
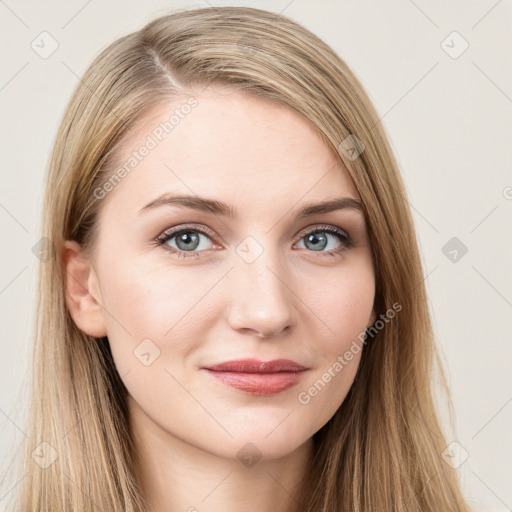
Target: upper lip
[(256, 366)]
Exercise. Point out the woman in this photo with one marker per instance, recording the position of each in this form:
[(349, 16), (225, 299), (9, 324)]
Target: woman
[(234, 314)]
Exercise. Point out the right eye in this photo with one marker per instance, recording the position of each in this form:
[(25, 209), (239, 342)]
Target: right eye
[(186, 240)]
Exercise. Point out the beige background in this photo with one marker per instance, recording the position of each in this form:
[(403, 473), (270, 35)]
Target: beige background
[(449, 118)]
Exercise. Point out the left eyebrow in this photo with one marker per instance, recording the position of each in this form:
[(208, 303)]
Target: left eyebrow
[(330, 206), (220, 208)]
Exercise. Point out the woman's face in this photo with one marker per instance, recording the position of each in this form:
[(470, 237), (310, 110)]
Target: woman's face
[(256, 283)]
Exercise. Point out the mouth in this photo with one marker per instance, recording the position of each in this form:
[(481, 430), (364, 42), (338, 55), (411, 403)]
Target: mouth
[(258, 377)]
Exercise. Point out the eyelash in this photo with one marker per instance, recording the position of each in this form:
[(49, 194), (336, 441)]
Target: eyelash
[(161, 240)]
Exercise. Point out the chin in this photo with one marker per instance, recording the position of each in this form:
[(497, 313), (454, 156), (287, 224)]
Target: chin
[(262, 445)]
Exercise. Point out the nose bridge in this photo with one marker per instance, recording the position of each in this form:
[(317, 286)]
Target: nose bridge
[(261, 297)]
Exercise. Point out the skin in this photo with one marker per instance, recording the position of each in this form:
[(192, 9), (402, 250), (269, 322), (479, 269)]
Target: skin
[(291, 302)]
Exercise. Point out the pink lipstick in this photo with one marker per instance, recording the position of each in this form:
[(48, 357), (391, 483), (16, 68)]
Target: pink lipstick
[(258, 377)]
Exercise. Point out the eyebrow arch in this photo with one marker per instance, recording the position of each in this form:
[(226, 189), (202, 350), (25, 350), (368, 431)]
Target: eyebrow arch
[(220, 208)]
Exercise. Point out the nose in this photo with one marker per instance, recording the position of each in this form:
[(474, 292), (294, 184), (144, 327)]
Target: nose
[(261, 297)]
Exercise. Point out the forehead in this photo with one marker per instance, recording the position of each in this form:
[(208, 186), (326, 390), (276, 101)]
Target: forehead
[(229, 144)]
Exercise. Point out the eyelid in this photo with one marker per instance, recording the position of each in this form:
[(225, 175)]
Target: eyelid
[(176, 229), (322, 227)]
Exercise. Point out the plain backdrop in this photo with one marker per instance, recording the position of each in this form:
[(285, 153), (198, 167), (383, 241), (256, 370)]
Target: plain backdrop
[(439, 74)]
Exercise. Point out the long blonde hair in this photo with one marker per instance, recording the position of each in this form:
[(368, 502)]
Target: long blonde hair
[(381, 451)]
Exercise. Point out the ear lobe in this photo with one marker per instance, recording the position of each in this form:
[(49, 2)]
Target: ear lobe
[(82, 291)]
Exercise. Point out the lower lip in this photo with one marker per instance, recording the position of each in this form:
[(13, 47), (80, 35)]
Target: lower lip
[(258, 383)]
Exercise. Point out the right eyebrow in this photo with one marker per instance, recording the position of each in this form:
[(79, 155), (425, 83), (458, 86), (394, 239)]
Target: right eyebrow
[(194, 202)]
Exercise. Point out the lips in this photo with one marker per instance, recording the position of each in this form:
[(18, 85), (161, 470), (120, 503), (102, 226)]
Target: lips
[(258, 377), (255, 366)]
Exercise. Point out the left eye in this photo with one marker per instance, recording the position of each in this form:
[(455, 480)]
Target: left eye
[(319, 239), (188, 239)]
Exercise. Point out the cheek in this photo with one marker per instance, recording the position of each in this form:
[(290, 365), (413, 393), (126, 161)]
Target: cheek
[(148, 302), (344, 309), (351, 311), (344, 305)]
